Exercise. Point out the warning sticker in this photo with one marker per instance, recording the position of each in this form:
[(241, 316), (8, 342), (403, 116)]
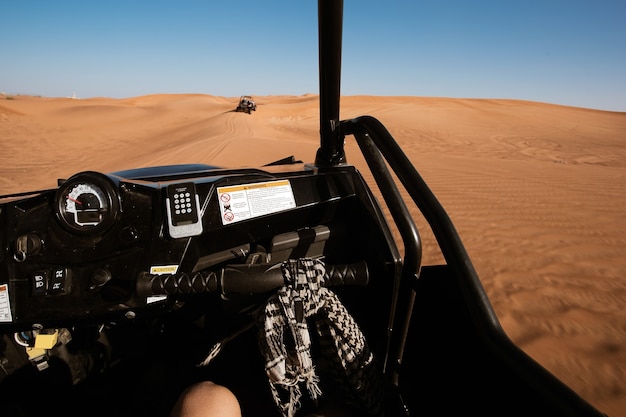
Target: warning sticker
[(5, 305), (163, 269), (246, 201), (160, 270)]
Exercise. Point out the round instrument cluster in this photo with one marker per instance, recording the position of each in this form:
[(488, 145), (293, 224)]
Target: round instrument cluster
[(87, 203)]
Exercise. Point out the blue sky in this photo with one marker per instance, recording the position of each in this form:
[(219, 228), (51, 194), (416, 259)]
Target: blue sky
[(570, 52)]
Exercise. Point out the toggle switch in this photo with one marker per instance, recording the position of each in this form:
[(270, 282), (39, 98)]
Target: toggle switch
[(58, 283), (39, 282)]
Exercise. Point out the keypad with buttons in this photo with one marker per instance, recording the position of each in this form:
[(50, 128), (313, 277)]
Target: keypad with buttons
[(182, 210), (182, 203)]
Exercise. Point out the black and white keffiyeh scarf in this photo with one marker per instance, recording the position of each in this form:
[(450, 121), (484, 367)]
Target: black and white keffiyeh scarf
[(285, 342)]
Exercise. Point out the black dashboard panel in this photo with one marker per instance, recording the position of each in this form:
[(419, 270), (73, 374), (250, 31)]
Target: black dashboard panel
[(75, 253)]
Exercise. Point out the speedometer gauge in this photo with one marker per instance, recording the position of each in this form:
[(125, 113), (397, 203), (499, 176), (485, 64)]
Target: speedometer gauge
[(87, 203)]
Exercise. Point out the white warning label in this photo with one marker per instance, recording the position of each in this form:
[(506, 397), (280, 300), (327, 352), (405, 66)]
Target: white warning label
[(246, 201), (5, 305)]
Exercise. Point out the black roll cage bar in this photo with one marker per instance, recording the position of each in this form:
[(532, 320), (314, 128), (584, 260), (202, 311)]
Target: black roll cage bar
[(380, 151)]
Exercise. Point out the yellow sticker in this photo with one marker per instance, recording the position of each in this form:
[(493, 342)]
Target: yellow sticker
[(163, 269)]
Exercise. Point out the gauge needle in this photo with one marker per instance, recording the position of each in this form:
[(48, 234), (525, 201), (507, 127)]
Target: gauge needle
[(74, 200)]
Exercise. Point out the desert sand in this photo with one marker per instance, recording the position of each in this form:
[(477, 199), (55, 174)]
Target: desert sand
[(536, 191)]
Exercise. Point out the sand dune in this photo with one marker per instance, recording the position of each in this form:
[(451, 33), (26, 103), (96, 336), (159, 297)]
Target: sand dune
[(537, 192)]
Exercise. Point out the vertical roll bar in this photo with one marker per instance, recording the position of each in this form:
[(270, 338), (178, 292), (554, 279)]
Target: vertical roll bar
[(330, 22)]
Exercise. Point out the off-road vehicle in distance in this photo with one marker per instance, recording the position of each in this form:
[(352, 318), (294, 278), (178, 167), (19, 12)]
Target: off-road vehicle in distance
[(246, 104)]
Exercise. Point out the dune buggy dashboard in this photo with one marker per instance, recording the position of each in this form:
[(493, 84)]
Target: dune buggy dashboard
[(83, 252)]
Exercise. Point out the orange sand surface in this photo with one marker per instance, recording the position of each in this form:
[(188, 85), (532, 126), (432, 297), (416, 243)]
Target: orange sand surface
[(536, 191)]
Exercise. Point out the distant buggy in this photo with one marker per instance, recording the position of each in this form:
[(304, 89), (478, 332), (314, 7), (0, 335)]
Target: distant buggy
[(246, 104)]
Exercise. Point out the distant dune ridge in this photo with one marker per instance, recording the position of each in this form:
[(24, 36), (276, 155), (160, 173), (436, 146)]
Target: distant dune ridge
[(536, 191)]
